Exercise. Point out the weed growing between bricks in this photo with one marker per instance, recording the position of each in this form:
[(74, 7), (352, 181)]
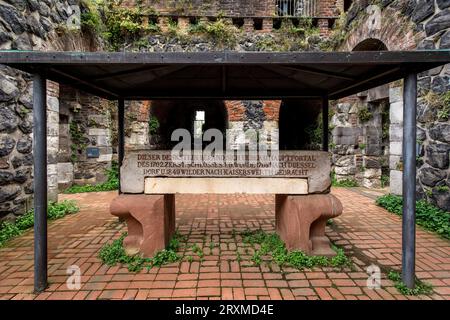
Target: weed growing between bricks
[(114, 253), (56, 210), (420, 288), (269, 247)]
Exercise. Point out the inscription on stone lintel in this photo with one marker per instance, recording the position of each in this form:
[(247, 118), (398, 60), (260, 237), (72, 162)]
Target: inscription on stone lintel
[(285, 164)]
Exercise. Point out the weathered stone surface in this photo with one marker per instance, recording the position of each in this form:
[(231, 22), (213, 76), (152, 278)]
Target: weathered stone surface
[(346, 161), (22, 175), (396, 112), (9, 192), (425, 112), (445, 41), (138, 165), (439, 22), (395, 182), (8, 88), (5, 177), (8, 120), (438, 155), (421, 134), (7, 144), (150, 220), (442, 4), (430, 176), (372, 162), (424, 85), (343, 107), (423, 10), (24, 145), (33, 5), (18, 4), (301, 220), (14, 20), (441, 199), (440, 132), (440, 84), (346, 135)]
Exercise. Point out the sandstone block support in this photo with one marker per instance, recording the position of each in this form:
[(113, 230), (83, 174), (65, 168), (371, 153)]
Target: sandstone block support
[(301, 221), (150, 220)]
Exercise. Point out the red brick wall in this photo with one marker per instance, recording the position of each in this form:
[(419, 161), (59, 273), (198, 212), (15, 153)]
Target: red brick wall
[(235, 109), (211, 7), (272, 109)]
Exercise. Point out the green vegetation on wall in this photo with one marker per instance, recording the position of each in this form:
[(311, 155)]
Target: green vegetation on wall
[(111, 184)]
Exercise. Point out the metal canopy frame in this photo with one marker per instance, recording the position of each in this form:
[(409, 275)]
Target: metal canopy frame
[(223, 75)]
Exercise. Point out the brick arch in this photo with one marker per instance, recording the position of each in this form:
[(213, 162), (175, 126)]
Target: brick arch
[(393, 29), (236, 110)]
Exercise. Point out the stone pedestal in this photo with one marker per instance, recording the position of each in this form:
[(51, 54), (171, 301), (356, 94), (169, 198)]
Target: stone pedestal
[(301, 221), (150, 220)]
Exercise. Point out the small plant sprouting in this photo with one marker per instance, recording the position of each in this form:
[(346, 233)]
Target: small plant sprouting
[(421, 288)]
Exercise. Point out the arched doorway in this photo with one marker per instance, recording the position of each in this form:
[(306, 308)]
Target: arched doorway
[(300, 125), (194, 116), (370, 44)]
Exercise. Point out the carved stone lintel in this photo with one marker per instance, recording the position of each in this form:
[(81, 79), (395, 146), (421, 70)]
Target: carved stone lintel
[(150, 220), (301, 221)]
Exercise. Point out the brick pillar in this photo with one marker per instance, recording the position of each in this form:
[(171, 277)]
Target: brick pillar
[(163, 23), (267, 25), (52, 139), (248, 25), (323, 27), (183, 24)]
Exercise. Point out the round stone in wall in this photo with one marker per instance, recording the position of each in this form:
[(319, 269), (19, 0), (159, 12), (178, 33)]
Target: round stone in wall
[(7, 144), (24, 145)]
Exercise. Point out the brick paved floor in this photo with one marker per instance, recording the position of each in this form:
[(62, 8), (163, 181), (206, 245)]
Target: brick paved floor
[(368, 234)]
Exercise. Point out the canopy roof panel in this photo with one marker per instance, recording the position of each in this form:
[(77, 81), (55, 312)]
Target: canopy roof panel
[(225, 75)]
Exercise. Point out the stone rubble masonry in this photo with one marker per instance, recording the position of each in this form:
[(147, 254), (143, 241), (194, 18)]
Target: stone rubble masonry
[(426, 25), (28, 25)]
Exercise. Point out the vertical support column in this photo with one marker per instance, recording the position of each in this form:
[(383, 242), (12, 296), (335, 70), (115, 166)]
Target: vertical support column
[(40, 181), (409, 180), (121, 135), (325, 107)]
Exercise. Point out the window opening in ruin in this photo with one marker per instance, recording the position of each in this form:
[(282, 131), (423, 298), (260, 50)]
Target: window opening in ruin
[(347, 5), (258, 24), (199, 123), (296, 8), (238, 22), (277, 24)]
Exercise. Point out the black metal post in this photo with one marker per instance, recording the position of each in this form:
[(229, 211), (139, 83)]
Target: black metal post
[(325, 108), (121, 134), (40, 181), (409, 180)]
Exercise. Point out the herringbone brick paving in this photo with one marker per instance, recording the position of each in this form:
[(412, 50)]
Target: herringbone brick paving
[(368, 234)]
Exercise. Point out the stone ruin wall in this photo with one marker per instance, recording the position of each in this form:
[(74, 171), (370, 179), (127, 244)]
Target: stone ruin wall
[(41, 25), (402, 25)]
